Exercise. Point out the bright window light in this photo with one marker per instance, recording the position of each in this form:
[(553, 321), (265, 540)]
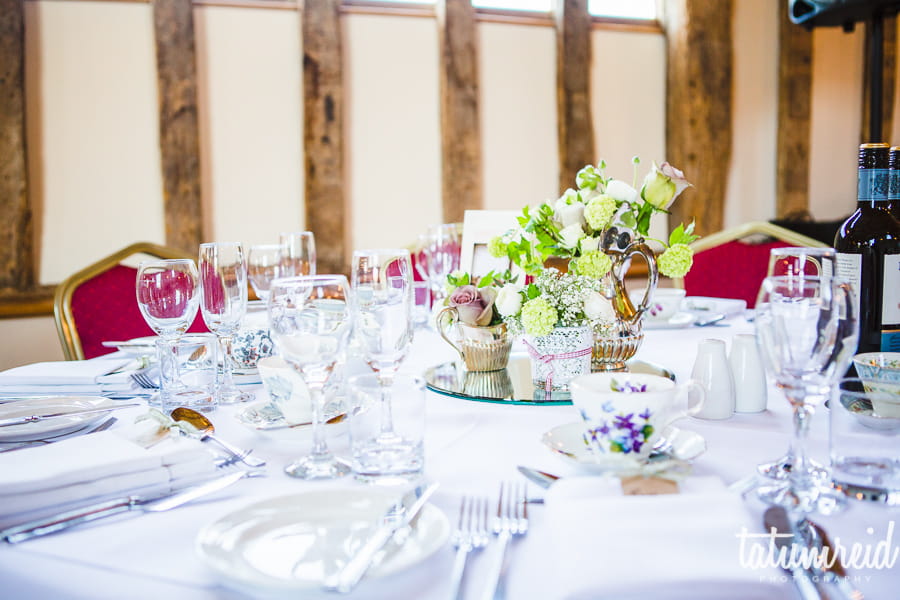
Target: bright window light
[(532, 5), (626, 9)]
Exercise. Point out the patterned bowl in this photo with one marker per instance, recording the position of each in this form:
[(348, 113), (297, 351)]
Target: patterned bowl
[(880, 372)]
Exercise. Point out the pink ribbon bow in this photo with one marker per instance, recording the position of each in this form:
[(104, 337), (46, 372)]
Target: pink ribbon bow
[(549, 358)]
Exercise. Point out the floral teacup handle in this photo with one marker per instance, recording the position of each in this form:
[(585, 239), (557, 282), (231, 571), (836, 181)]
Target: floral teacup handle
[(445, 320), (643, 250)]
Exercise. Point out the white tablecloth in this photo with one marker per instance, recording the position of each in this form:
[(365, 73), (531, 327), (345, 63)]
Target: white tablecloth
[(470, 448)]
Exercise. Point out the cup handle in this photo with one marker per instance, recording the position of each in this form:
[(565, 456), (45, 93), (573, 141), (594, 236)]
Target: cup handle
[(689, 410), (446, 319)]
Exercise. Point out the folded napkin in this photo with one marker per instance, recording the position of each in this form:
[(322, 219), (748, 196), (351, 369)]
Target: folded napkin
[(666, 547), (69, 376), (55, 477)]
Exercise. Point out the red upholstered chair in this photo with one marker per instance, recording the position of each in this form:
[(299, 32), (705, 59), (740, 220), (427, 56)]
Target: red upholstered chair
[(732, 263), (99, 304)]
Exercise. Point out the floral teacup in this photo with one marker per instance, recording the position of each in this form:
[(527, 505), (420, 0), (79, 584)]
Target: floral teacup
[(626, 414)]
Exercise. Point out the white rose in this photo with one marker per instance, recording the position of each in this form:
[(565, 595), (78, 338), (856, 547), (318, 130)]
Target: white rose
[(621, 191), (589, 244), (509, 300), (588, 194), (571, 235), (569, 214), (598, 307)]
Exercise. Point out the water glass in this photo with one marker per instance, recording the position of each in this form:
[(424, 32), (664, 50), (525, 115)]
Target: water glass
[(263, 267), (187, 371), (223, 281), (299, 257), (865, 436), (407, 458), (443, 250)]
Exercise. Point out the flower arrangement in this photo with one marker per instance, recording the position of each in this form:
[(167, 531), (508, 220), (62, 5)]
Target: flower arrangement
[(552, 300), (474, 298), (601, 213)]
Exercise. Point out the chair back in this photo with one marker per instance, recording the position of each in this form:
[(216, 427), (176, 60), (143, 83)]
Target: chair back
[(731, 264), (98, 303)]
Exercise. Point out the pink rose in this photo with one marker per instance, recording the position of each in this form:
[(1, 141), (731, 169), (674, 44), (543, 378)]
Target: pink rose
[(475, 306)]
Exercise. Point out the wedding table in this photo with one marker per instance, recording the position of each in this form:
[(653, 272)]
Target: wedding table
[(470, 448)]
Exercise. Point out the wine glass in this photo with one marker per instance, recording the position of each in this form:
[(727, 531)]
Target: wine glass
[(167, 295), (299, 257), (223, 281), (263, 267), (310, 319), (443, 257), (382, 282), (806, 329), (798, 262)]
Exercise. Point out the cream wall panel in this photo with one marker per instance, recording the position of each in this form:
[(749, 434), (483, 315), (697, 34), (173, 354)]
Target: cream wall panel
[(751, 180), (28, 340), (628, 99), (835, 122), (93, 137), (251, 122), (518, 114), (393, 128)]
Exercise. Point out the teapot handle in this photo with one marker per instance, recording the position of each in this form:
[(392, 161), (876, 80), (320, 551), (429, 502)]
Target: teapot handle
[(642, 249), (446, 319)]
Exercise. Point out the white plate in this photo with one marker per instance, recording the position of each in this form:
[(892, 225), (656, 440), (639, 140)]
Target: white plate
[(142, 346), (291, 543), (51, 427), (730, 307), (679, 320), (567, 441)]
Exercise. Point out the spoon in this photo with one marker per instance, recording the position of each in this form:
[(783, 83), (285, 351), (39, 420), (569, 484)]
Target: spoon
[(206, 429)]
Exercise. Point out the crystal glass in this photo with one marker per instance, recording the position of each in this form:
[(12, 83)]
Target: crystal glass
[(299, 257), (223, 280), (443, 249), (310, 319), (382, 283), (807, 331), (263, 267), (798, 262), (167, 295)]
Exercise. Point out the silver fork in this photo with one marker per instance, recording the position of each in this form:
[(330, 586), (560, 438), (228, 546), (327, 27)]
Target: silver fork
[(471, 534), (143, 380), (511, 519)]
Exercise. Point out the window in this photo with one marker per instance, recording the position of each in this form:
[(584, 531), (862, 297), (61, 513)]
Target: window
[(619, 9)]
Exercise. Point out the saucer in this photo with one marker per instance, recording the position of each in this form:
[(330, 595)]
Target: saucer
[(567, 441), (679, 320)]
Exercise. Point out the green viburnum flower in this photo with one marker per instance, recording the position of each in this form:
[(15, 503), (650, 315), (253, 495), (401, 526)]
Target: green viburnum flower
[(497, 247), (538, 317), (599, 212), (592, 264), (676, 261)]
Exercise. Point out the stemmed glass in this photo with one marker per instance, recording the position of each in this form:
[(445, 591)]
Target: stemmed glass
[(443, 252), (168, 300), (310, 319), (798, 262), (223, 281), (299, 256), (382, 282), (807, 330), (264, 267)]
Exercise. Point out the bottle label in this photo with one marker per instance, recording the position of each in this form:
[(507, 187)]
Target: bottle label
[(894, 186), (890, 305), (873, 185), (849, 267)]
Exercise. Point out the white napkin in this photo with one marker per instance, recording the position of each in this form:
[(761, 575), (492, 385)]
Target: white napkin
[(69, 376), (54, 477), (665, 547)]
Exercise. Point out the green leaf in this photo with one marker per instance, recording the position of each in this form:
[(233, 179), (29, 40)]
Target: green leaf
[(532, 291), (486, 280), (628, 220), (683, 235)]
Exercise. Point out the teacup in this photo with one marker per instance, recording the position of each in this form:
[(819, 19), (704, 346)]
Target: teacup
[(286, 389), (626, 414), (665, 304)]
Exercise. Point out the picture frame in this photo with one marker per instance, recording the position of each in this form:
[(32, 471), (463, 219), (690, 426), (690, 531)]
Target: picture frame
[(479, 227)]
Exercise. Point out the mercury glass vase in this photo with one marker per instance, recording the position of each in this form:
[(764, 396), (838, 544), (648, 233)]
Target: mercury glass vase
[(559, 357)]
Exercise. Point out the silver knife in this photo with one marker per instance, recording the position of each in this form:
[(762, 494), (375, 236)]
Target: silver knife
[(394, 519), (541, 478), (776, 518), (834, 571), (62, 521), (72, 413)]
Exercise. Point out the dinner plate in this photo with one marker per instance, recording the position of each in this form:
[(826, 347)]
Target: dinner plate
[(56, 426), (679, 320), (567, 442), (141, 346), (291, 543)]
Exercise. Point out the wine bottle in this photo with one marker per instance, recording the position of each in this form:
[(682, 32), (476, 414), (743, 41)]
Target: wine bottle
[(894, 185), (868, 253)]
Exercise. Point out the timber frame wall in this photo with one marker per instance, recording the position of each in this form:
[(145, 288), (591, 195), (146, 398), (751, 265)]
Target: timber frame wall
[(698, 125)]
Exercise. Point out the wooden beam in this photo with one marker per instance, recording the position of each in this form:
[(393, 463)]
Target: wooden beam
[(698, 106), (461, 169), (575, 129), (323, 134), (179, 135), (794, 93), (888, 83), (17, 264)]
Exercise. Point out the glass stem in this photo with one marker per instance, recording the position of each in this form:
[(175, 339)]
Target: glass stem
[(319, 447), (225, 345), (799, 475), (387, 417)]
